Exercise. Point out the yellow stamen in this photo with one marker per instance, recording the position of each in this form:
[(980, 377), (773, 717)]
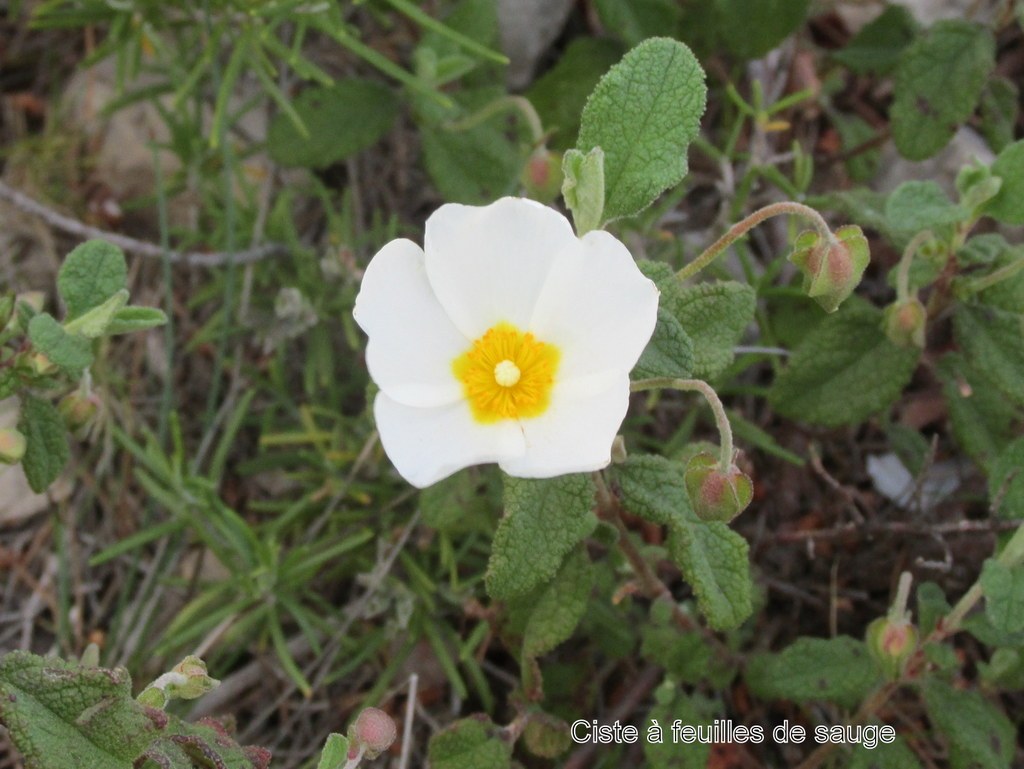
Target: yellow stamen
[(507, 374)]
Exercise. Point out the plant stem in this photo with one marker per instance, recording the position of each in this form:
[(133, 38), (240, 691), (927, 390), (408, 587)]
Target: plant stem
[(697, 385), (502, 104), (744, 225), (906, 260), (1003, 273)]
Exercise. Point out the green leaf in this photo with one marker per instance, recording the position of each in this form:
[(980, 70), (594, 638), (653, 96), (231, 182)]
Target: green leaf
[(340, 120), (544, 519), (129, 319), (892, 755), (335, 752), (546, 735), (1006, 481), (938, 84), (983, 419), (674, 704), (999, 112), (1004, 595), (583, 188), (715, 316), (70, 352), (472, 743), (931, 606), (843, 371), (554, 614), (879, 44), (560, 94), (838, 670), (684, 655), (46, 449), (1008, 166), (752, 29), (96, 321), (669, 353), (636, 20), (916, 206), (91, 274), (714, 560), (979, 735), (712, 557), (992, 340), (644, 113), (62, 716)]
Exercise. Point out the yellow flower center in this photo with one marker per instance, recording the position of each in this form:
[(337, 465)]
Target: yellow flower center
[(507, 374)]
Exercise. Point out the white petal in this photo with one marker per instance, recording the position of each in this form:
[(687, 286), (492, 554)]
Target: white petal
[(575, 434), (412, 341), (488, 264), (597, 307), (429, 444)]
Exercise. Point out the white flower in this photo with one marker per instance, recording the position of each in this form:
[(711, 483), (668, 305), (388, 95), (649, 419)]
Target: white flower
[(505, 339)]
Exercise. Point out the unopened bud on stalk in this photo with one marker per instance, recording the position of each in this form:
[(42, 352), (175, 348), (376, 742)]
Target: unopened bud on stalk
[(831, 269), (542, 175), (12, 446), (716, 495), (371, 734), (905, 323), (78, 410), (891, 642)]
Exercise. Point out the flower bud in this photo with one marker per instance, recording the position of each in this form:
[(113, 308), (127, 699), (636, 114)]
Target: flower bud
[(831, 270), (12, 446), (41, 365), (542, 175), (714, 494), (905, 323), (78, 410), (186, 681), (891, 642), (371, 734)]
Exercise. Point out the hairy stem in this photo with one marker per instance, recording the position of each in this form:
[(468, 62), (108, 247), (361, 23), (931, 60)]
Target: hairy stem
[(906, 260), (744, 225), (697, 385), (502, 104)]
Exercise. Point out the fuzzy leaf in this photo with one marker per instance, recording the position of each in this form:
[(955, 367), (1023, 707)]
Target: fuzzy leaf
[(843, 371), (669, 353), (95, 322), (1004, 595), (836, 670), (544, 519), (714, 315), (556, 611), (70, 352), (979, 735), (992, 340), (1008, 166), (999, 113), (916, 206), (893, 755), (938, 84), (665, 754), (335, 752), (91, 274), (62, 716), (340, 120), (472, 743), (983, 420), (1006, 481), (644, 113), (129, 319), (46, 443), (712, 557)]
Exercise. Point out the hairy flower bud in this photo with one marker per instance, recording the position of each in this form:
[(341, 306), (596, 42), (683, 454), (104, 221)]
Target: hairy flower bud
[(12, 446), (891, 642), (716, 495), (78, 410), (905, 323), (372, 733), (542, 175), (831, 269)]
